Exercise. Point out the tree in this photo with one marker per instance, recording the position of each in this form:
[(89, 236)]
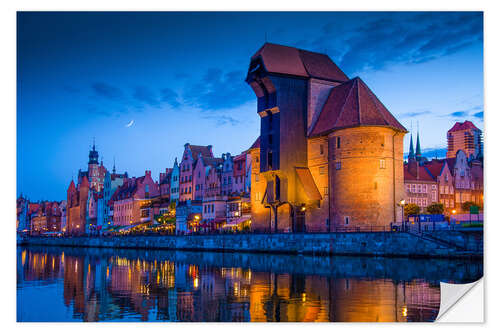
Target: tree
[(411, 209), (466, 206), (435, 208)]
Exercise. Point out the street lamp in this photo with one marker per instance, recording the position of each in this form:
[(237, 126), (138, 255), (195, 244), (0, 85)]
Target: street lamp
[(402, 204), (453, 212)]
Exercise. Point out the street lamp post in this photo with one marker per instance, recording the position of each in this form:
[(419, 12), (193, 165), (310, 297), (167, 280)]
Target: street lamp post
[(402, 204)]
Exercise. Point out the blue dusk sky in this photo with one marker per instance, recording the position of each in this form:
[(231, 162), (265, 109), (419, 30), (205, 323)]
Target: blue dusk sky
[(179, 77)]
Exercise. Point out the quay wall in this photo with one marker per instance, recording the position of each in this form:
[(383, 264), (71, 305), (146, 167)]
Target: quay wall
[(390, 244)]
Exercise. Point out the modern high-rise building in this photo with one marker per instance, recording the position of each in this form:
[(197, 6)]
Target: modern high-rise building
[(467, 137)]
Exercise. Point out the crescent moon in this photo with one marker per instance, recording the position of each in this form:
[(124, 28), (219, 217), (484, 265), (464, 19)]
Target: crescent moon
[(130, 124)]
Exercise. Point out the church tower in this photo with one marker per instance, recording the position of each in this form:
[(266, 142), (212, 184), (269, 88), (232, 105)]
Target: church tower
[(95, 172)]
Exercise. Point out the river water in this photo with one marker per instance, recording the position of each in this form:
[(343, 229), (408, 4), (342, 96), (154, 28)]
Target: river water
[(82, 284)]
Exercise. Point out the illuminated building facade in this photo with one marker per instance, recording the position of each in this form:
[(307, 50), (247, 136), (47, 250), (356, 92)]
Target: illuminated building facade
[(130, 200), (186, 167), (330, 153), (76, 209), (174, 182)]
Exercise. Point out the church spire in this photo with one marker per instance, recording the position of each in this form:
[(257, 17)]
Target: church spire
[(418, 153), (411, 154)]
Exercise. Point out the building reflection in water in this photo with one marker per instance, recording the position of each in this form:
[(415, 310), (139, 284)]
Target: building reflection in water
[(120, 287)]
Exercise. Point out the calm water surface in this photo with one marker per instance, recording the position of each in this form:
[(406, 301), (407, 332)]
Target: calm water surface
[(70, 284)]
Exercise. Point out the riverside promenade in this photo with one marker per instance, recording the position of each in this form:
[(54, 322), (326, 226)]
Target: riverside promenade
[(444, 244)]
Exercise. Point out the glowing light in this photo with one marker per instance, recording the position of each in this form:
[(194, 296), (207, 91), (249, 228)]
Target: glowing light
[(405, 311), (304, 297), (195, 282)]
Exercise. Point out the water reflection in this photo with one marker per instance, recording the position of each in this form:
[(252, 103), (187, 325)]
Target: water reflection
[(62, 284)]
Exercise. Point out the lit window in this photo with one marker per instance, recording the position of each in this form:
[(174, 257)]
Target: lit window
[(382, 164)]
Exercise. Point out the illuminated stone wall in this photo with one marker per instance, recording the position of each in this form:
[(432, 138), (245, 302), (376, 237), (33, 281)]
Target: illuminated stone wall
[(366, 176), (340, 243)]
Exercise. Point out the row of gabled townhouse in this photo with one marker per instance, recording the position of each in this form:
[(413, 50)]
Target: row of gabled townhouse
[(42, 217), (450, 181)]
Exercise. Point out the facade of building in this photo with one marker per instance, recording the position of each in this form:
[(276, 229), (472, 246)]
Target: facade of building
[(111, 182), (199, 178), (241, 169), (174, 182), (165, 181), (76, 209), (466, 137), (186, 167), (46, 218), (334, 119), (22, 207), (131, 200), (227, 174), (440, 171)]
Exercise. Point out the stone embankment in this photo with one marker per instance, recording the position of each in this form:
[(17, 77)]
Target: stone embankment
[(450, 244)]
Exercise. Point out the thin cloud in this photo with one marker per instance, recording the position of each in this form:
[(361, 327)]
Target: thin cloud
[(479, 115), (414, 114), (218, 90), (222, 120), (145, 95), (106, 90), (171, 97)]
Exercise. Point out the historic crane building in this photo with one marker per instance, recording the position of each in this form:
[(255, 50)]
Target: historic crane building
[(330, 155)]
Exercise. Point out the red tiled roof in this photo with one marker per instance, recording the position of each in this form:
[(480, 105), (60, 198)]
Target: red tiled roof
[(203, 150), (213, 161), (239, 157), (282, 59), (423, 174), (353, 104), (462, 126), (435, 167)]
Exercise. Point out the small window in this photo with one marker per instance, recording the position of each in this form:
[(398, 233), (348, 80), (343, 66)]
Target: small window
[(325, 191), (321, 150), (346, 220), (322, 170), (338, 142), (270, 159), (382, 164), (338, 165), (256, 177)]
